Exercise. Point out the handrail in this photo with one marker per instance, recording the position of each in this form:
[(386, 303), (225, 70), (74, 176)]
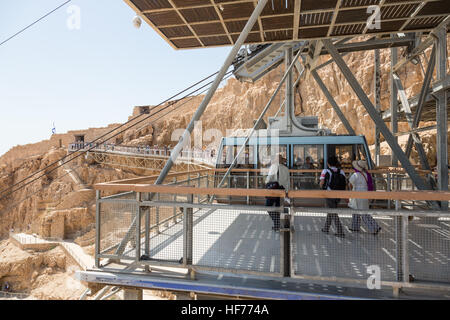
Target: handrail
[(141, 150), (149, 178), (142, 179), (378, 195), (375, 171), (191, 190), (319, 194)]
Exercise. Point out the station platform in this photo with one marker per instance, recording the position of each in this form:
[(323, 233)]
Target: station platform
[(236, 253)]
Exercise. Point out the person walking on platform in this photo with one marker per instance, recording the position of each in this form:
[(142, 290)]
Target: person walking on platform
[(361, 180), (278, 178), (333, 179)]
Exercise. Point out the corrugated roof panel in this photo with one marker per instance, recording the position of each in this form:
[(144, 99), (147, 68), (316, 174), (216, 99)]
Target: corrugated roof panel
[(164, 18), (278, 7), (173, 32), (234, 11), (271, 36), (238, 26), (315, 19), (215, 41), (200, 14), (152, 4), (187, 43), (316, 32), (190, 3), (274, 23), (218, 21), (208, 29), (253, 37)]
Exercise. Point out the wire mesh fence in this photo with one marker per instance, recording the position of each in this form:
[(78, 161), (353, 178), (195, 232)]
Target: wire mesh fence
[(320, 254), (117, 218), (429, 248), (188, 231), (412, 246), (238, 239)]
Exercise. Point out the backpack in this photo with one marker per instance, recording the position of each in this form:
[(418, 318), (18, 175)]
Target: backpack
[(337, 181)]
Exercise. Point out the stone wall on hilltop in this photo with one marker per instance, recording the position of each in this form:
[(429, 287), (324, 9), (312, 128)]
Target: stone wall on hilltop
[(20, 153)]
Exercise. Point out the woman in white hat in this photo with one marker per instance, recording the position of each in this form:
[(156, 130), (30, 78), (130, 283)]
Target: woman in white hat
[(361, 180)]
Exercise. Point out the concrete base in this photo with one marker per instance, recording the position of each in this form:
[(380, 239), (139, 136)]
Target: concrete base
[(132, 294)]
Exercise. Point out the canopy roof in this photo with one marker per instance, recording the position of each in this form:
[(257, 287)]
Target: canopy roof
[(208, 23)]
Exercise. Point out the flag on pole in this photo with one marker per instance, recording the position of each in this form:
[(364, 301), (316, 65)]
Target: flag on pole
[(53, 129)]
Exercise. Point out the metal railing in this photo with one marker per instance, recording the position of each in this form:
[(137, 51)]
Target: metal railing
[(205, 156), (238, 238), (13, 295)]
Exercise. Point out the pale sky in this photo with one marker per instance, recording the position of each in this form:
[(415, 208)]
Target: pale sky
[(89, 77)]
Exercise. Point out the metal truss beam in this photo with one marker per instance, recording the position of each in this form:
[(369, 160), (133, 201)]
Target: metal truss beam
[(428, 41), (146, 163), (406, 108), (416, 130), (393, 103), (333, 103), (422, 98), (371, 110), (377, 99), (441, 114)]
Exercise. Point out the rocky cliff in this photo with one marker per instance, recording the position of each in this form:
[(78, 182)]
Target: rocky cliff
[(57, 194), (43, 275)]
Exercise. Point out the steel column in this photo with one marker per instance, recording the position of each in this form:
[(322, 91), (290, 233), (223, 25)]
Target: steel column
[(422, 98), (405, 248), (377, 99), (188, 225), (285, 240), (147, 226), (390, 139), (441, 114), (394, 104), (333, 103), (399, 245), (407, 110), (97, 228), (138, 227), (289, 90)]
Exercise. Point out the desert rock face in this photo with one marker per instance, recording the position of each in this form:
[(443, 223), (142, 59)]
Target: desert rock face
[(43, 275), (56, 194)]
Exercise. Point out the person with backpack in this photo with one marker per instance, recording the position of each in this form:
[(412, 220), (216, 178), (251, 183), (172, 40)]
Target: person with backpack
[(277, 178), (361, 180), (333, 179)]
